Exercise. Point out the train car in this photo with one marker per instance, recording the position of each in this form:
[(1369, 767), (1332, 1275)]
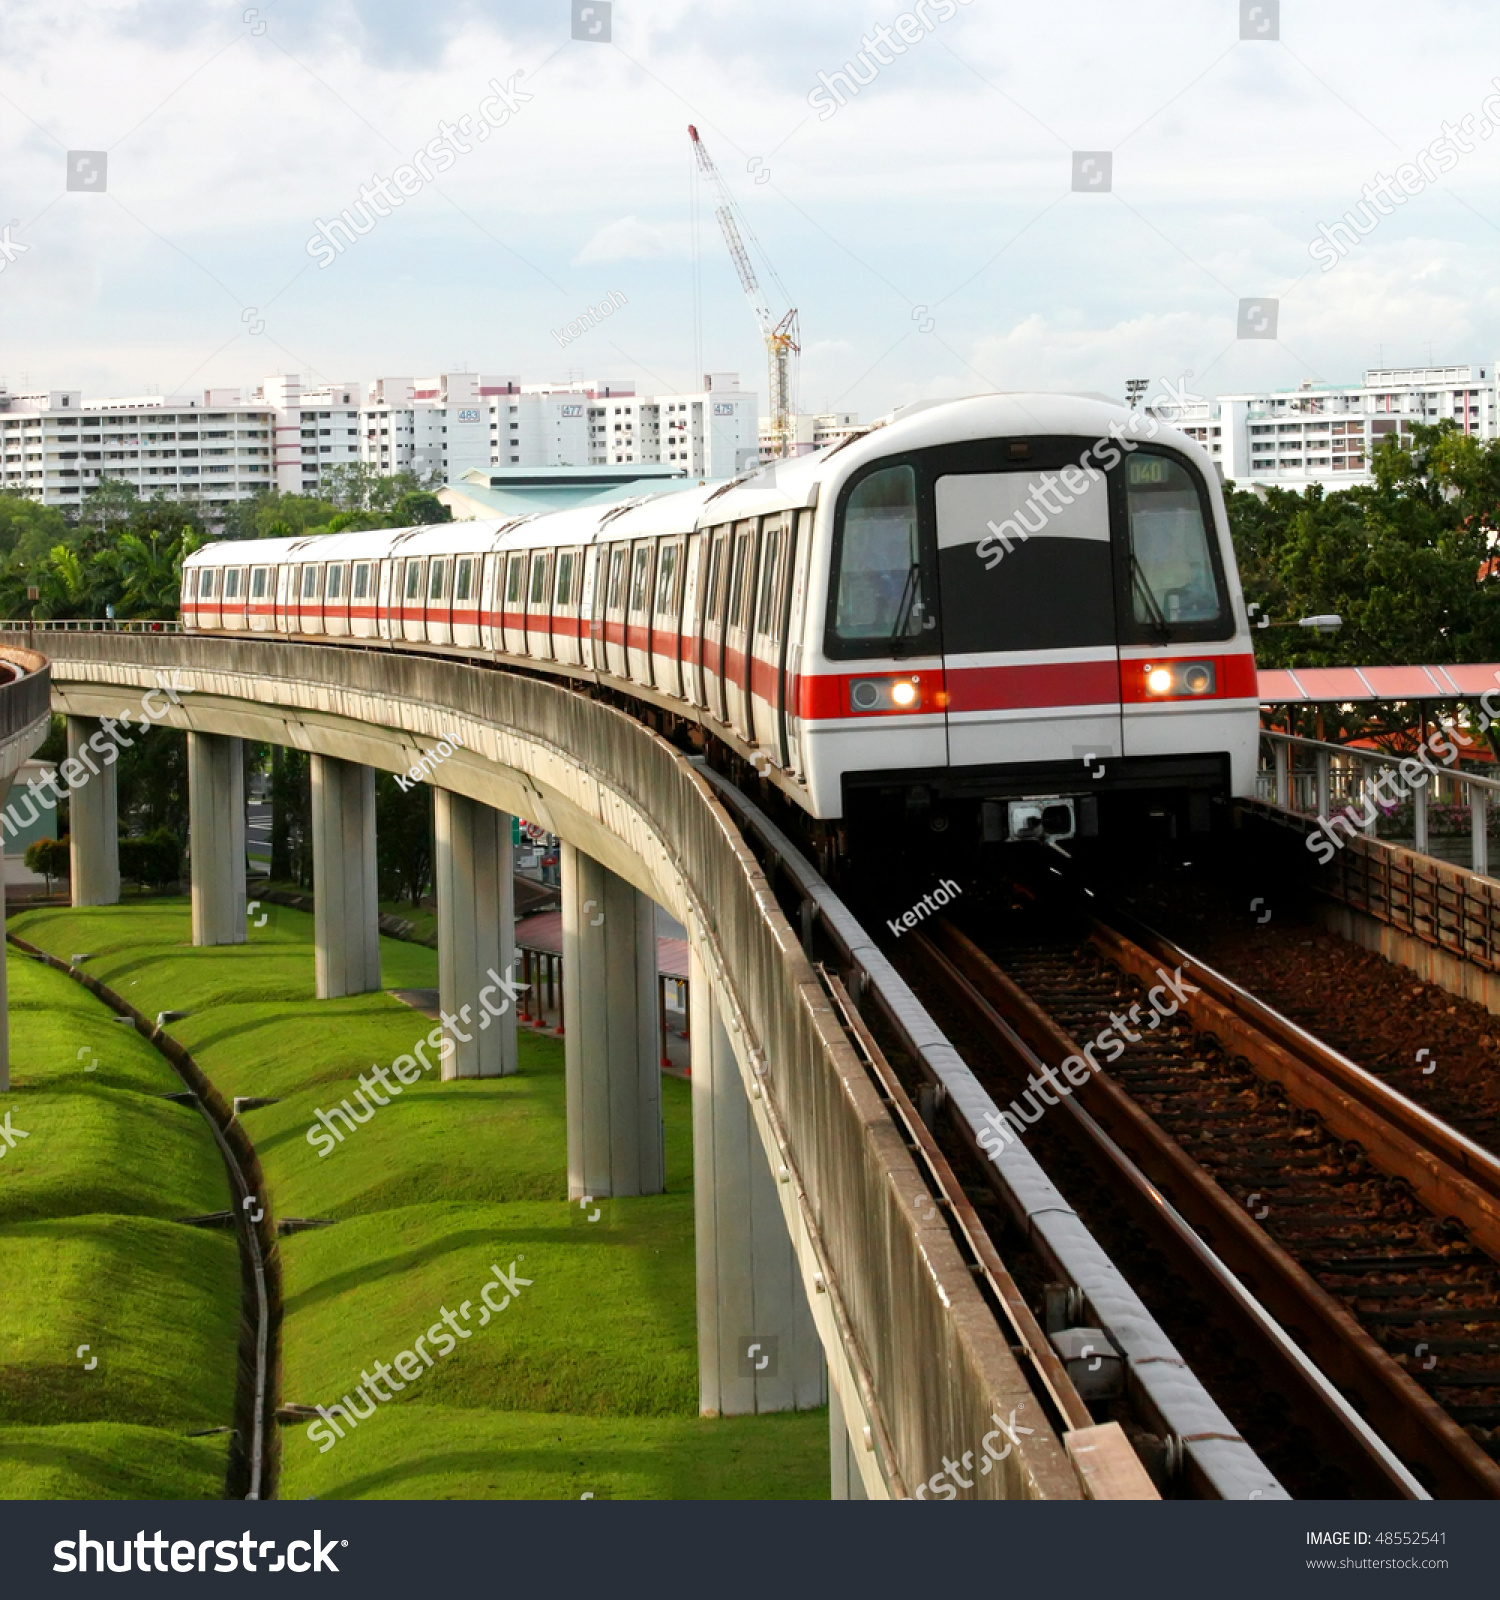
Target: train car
[(1017, 616)]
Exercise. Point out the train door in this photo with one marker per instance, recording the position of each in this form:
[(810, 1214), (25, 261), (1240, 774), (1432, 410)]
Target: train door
[(767, 633), (412, 619), (1027, 602), (362, 580), (737, 624), (491, 591), (566, 644), (692, 619), (271, 599), (467, 572), (666, 621), (713, 624), (336, 599), (590, 610), (638, 613), (388, 598), (513, 605), (437, 616), (614, 610), (203, 607), (539, 606), (791, 675)]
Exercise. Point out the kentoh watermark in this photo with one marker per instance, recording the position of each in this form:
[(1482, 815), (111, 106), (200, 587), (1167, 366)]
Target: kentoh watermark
[(1336, 239), (1071, 483), (1392, 786), (1003, 1127), (325, 1134), (591, 318), (430, 762), (911, 26), (945, 894), (75, 772), (377, 199), (410, 1363)]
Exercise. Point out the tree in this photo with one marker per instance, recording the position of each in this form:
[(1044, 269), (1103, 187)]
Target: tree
[(403, 839), (49, 857), (420, 506)]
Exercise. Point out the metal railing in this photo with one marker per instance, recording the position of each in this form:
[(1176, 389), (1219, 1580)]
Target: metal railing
[(1363, 789), (29, 625)]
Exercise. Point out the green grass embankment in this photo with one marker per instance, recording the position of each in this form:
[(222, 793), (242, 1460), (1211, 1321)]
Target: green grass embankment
[(90, 1255), (585, 1383)]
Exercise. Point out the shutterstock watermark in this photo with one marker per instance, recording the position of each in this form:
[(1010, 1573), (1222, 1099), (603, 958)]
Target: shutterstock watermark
[(1004, 1126), (1071, 483), (76, 771), (325, 1134), (591, 318), (382, 194), (911, 27), (413, 1364), (1392, 786), (191, 1555), (946, 1484), (1385, 191), (9, 1135)]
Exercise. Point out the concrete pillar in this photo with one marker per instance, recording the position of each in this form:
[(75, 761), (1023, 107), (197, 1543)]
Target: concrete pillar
[(93, 822), (844, 1481), (612, 1052), (758, 1349), (216, 837), (474, 873), (4, 955), (346, 896)]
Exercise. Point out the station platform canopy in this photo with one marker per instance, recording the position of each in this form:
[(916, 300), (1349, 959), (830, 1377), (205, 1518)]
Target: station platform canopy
[(1280, 686)]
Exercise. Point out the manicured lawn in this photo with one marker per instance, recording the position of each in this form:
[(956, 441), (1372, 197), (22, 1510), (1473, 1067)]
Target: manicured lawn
[(90, 1256), (586, 1382)]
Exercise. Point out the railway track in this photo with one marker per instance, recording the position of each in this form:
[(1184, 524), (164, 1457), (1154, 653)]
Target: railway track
[(1367, 1229)]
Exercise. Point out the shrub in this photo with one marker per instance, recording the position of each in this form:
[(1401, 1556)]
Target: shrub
[(154, 859), (49, 857)]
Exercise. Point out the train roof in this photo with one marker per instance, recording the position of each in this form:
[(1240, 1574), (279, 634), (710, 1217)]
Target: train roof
[(776, 486)]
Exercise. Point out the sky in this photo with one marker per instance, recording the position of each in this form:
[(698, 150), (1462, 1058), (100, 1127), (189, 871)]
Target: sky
[(928, 229)]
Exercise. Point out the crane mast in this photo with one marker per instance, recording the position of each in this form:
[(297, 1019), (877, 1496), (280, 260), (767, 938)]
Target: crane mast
[(779, 333)]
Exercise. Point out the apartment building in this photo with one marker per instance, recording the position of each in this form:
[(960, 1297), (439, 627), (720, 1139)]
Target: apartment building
[(1326, 434), (208, 448), (812, 431)]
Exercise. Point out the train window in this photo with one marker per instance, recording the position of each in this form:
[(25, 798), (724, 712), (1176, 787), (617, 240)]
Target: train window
[(770, 567), (513, 580), (616, 578), (310, 577), (539, 578), (463, 582), (639, 577), (232, 584), (205, 583), (1172, 580), (413, 580), (715, 571), (335, 582), (734, 616), (361, 586), (258, 577), (879, 596), (565, 578), (437, 583), (666, 582)]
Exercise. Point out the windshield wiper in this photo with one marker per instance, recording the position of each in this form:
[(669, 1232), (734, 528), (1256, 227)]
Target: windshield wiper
[(908, 597), (1143, 589)]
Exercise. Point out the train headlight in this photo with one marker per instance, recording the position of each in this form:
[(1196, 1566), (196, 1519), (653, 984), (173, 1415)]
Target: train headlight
[(885, 694), (1181, 677)]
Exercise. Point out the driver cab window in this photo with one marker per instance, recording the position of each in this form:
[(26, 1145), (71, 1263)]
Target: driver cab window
[(879, 600), (1172, 578)]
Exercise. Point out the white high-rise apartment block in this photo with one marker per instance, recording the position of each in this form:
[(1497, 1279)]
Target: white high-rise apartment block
[(209, 448), (812, 431), (1326, 434)]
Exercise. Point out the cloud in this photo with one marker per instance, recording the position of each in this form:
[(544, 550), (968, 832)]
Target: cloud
[(630, 239)]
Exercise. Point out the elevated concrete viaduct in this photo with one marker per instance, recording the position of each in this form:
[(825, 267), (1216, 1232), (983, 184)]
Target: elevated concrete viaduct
[(816, 1236)]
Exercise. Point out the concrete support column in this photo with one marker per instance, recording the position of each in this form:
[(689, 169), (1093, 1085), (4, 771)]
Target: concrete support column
[(216, 837), (4, 983), (94, 821), (612, 1052), (474, 873), (758, 1349), (346, 895), (844, 1481)]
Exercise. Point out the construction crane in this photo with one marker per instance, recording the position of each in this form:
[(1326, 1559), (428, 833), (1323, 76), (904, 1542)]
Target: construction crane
[(779, 333)]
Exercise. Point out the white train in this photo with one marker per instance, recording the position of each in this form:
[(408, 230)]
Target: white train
[(1007, 615)]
